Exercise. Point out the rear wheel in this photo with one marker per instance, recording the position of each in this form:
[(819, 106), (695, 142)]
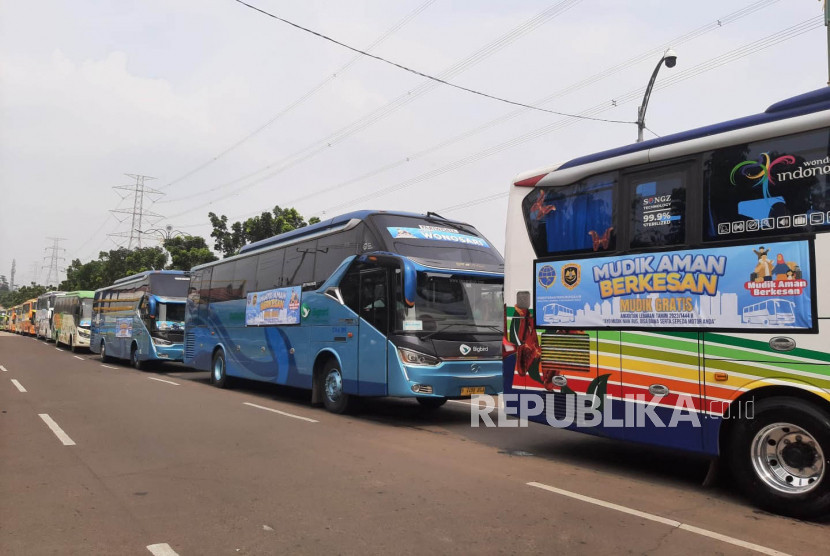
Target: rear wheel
[(431, 403), (781, 458), (334, 398), (218, 371), (134, 360), (104, 357)]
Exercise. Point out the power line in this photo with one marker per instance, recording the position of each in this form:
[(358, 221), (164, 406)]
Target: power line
[(543, 16), (307, 95), (733, 55), (428, 76), (402, 100)]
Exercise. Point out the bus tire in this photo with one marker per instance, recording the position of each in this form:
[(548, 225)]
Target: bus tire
[(431, 403), (334, 398), (104, 357), (219, 371), (781, 457), (137, 363)]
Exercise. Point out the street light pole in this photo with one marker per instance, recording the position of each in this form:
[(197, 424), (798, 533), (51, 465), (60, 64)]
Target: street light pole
[(670, 59)]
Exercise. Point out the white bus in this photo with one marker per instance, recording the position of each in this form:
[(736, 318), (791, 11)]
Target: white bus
[(73, 316), (44, 321), (698, 265)]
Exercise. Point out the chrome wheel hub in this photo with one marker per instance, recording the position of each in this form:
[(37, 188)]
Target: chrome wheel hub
[(788, 458), (334, 385)]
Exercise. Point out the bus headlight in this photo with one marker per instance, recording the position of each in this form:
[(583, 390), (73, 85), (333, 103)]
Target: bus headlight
[(410, 357), (83, 332), (161, 341)]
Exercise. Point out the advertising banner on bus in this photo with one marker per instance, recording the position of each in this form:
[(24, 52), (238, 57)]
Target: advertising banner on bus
[(124, 327), (270, 307), (747, 287)]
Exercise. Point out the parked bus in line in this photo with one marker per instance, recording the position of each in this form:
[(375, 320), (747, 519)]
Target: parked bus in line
[(141, 318), (44, 321), (11, 325), (26, 317), (369, 303), (4, 318), (73, 317), (660, 248)]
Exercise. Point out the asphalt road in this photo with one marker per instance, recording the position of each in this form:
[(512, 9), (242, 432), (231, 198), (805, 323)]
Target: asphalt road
[(160, 462)]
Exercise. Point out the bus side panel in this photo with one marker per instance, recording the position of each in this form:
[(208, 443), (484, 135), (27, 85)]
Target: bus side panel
[(331, 325)]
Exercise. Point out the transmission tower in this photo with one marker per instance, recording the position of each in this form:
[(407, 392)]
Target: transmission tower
[(54, 257), (14, 269), (35, 272), (138, 214)]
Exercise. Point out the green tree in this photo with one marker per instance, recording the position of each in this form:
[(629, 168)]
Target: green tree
[(187, 252), (256, 228), (24, 293), (110, 266), (4, 283)]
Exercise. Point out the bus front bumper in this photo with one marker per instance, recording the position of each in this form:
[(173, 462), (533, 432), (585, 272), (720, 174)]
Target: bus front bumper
[(450, 379), (174, 352)]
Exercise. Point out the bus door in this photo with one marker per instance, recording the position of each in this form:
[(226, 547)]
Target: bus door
[(375, 304)]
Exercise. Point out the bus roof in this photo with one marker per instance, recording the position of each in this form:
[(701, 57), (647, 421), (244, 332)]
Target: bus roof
[(79, 293), (141, 275), (807, 103), (335, 222)]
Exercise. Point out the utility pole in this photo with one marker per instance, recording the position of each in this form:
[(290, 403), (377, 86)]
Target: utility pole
[(827, 24), (53, 257), (138, 213)]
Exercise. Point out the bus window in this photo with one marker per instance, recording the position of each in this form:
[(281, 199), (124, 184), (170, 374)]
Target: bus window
[(658, 208), (571, 219)]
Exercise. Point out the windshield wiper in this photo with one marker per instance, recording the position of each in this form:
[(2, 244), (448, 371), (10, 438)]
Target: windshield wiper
[(451, 324)]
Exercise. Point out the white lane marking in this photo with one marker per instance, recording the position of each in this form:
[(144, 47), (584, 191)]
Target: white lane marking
[(281, 412), (4, 369), (59, 349), (108, 366), (78, 357), (162, 549), (62, 436), (162, 380), (19, 386), (663, 520)]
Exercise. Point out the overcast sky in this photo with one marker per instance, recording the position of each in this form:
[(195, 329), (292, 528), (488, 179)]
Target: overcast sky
[(234, 112)]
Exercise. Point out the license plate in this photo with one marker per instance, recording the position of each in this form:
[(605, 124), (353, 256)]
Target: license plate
[(470, 390)]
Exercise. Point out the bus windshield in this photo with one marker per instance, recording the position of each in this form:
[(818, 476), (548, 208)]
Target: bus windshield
[(86, 312), (436, 240), (171, 316), (454, 304), (169, 285)]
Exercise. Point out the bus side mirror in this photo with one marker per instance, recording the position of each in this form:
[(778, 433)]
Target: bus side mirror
[(410, 282), (152, 305)]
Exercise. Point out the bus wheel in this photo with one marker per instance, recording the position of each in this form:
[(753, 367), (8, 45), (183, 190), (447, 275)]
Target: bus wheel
[(134, 360), (334, 398), (781, 457), (218, 371), (431, 403), (104, 357)]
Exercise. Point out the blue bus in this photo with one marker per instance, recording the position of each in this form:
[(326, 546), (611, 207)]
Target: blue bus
[(141, 317), (370, 303)]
